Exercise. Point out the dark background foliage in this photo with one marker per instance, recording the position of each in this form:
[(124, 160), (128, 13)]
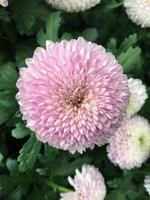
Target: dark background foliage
[(28, 169)]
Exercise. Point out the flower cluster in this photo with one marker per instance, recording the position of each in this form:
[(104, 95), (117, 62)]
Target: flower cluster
[(73, 94), (73, 5), (88, 184)]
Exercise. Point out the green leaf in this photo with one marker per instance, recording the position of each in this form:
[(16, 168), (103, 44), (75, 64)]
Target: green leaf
[(114, 4), (4, 15), (8, 104), (52, 29), (11, 165), (25, 50), (20, 131), (29, 153), (50, 153), (26, 12), (17, 193), (52, 26), (112, 46), (41, 38), (128, 42), (14, 186), (90, 34), (117, 195), (66, 36), (7, 184), (8, 77), (130, 58), (69, 168), (1, 158)]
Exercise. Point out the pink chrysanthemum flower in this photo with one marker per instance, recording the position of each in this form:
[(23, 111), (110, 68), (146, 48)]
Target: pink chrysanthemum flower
[(88, 184), (4, 3), (130, 146), (72, 94)]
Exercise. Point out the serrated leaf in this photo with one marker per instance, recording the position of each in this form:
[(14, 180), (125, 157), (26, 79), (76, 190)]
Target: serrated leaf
[(8, 104), (26, 12), (8, 77), (70, 167), (90, 34), (52, 28), (12, 187), (29, 154), (17, 193), (25, 50), (128, 42), (129, 58), (20, 131), (7, 184)]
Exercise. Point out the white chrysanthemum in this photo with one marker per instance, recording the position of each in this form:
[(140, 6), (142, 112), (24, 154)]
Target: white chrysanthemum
[(138, 95), (147, 184), (4, 3), (138, 11), (88, 184), (73, 5), (129, 147)]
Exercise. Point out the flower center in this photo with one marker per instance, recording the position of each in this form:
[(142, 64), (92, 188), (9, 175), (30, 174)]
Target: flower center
[(142, 141), (75, 98)]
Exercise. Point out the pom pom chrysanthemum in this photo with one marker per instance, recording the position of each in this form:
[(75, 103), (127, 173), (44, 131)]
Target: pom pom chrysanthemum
[(72, 94), (73, 5), (147, 184), (4, 3), (138, 95), (138, 11), (88, 184), (130, 146)]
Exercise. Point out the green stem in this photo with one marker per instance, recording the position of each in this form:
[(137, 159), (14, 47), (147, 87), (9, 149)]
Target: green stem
[(58, 188)]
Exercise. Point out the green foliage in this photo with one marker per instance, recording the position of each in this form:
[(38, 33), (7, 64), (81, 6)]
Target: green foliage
[(29, 154), (25, 13), (51, 29), (128, 55), (8, 104), (24, 50), (20, 131), (114, 4), (4, 15), (51, 32), (90, 34)]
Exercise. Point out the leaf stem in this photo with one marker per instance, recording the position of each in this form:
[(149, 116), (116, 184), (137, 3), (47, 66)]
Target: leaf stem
[(58, 188)]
